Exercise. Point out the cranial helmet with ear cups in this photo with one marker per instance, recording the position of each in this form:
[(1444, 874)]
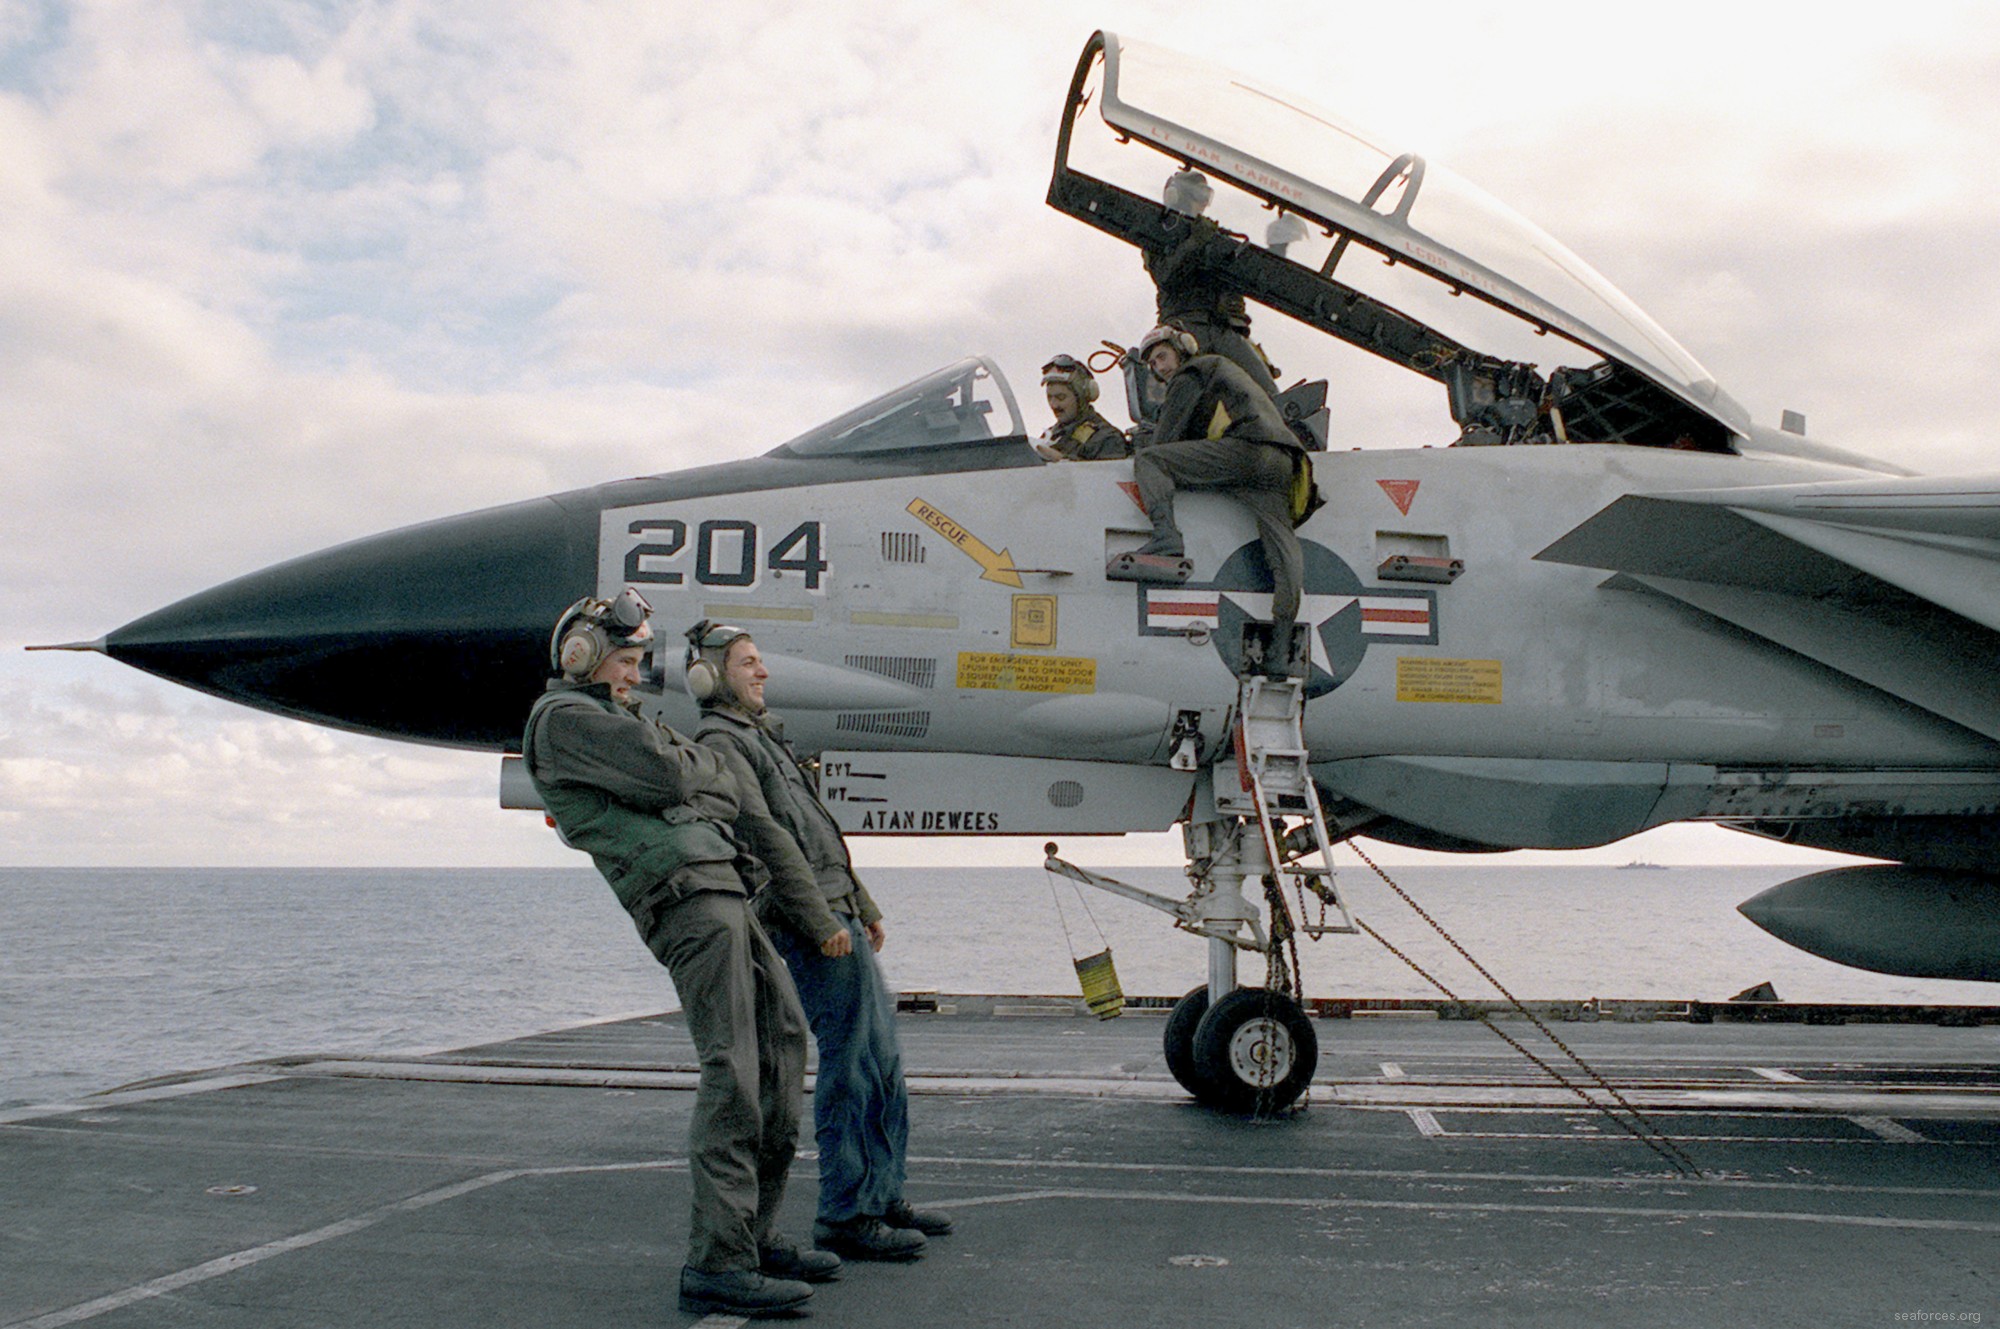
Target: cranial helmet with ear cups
[(1073, 374), (708, 646), (1168, 335), (1188, 191), (591, 629)]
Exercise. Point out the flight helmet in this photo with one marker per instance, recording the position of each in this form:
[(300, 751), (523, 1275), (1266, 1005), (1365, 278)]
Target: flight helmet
[(708, 646), (1167, 334), (1187, 192), (592, 628), (1284, 231), (1073, 374)]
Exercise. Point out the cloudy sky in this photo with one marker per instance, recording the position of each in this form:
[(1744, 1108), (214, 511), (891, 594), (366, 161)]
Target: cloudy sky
[(282, 274)]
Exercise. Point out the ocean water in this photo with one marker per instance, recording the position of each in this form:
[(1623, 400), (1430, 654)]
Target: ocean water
[(109, 976)]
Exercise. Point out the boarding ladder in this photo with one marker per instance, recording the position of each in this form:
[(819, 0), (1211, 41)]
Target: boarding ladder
[(1260, 781), (1267, 780)]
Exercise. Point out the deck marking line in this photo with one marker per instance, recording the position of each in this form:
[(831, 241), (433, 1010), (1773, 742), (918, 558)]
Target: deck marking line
[(720, 1321), (243, 1259), (1681, 1137), (1002, 1197), (1780, 1077), (1426, 1174), (125, 1097), (1427, 1124), (1891, 1130), (1391, 1071), (1486, 1207)]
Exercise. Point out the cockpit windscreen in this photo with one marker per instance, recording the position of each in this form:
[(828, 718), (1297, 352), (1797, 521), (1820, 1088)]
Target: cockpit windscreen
[(968, 402)]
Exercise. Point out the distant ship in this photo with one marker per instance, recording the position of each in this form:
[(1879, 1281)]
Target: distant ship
[(1642, 863)]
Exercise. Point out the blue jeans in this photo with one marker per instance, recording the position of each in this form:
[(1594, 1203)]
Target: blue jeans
[(861, 1111)]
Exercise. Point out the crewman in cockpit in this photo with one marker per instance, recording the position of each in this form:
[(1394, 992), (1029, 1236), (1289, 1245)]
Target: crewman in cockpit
[(1079, 433), (1190, 276), (1218, 430)]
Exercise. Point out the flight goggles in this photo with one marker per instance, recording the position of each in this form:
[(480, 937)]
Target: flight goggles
[(1063, 368), (709, 635), (627, 612)]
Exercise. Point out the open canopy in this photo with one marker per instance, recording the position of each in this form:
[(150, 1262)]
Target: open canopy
[(1445, 238)]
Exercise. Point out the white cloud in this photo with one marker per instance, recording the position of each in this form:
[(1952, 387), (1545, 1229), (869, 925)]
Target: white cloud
[(262, 290), (303, 105), (136, 773)]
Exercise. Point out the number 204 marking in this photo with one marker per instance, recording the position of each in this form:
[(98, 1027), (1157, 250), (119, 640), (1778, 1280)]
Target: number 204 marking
[(725, 553)]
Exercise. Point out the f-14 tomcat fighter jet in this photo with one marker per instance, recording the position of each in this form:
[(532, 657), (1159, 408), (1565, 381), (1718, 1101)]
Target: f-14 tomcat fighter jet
[(1598, 600)]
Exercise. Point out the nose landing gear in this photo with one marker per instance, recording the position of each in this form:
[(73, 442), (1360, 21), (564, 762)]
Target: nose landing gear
[(1257, 1049), (1254, 1052), (1247, 1049)]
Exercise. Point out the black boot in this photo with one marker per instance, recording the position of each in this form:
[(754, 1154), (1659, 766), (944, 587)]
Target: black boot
[(739, 1292), (865, 1237), (781, 1257), (927, 1221)]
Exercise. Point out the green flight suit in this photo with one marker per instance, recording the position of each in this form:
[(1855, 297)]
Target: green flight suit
[(1219, 430), (1089, 437), (672, 826), (1194, 292)]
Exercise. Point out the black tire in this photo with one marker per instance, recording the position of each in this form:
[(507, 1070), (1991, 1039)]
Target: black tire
[(1179, 1041), (1254, 1051)]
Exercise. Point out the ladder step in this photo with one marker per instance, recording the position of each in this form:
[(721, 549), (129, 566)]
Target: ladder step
[(1277, 768)]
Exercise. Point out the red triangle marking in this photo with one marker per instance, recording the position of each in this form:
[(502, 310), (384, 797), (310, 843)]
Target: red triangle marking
[(1132, 492), (1401, 492)]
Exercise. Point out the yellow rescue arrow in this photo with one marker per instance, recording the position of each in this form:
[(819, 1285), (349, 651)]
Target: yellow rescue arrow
[(995, 567)]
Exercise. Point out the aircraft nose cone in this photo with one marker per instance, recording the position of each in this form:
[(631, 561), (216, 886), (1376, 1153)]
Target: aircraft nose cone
[(437, 632)]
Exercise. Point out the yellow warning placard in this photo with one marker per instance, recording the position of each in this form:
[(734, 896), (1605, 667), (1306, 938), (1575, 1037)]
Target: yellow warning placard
[(1424, 678), (1034, 621), (1026, 673)]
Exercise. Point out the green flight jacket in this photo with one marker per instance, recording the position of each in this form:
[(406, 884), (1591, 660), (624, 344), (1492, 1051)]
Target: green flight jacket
[(660, 816), (1089, 437), (1191, 275), (793, 801), (1211, 397)]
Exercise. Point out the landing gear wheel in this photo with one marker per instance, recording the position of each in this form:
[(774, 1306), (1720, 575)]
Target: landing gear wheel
[(1179, 1040), (1255, 1051)]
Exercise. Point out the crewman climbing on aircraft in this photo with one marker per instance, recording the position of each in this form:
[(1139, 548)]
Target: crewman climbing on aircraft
[(861, 1109), (1191, 279), (662, 818), (1219, 430), (1079, 433)]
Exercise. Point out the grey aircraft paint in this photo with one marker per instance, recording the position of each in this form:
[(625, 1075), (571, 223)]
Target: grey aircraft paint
[(1611, 604)]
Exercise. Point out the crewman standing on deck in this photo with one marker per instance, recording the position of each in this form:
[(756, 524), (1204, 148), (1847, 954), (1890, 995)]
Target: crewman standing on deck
[(861, 1109), (662, 818)]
